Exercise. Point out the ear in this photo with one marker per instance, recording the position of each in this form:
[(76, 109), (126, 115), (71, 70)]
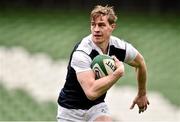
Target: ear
[(113, 26)]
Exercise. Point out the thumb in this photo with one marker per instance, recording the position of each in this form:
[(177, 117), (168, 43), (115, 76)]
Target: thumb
[(132, 106), (114, 57)]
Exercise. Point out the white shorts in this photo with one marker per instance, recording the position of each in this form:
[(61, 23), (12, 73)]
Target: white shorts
[(79, 115)]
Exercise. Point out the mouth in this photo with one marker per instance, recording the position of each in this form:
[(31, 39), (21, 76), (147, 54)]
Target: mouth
[(97, 35)]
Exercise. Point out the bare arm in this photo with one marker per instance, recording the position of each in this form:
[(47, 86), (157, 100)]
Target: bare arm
[(95, 88), (141, 70)]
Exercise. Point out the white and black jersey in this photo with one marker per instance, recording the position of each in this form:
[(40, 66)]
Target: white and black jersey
[(72, 95)]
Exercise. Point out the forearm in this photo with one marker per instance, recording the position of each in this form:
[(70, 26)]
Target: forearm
[(95, 88), (142, 78), (103, 84), (141, 99)]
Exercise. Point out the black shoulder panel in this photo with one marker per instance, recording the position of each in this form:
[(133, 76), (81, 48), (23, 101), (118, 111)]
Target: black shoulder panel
[(119, 53)]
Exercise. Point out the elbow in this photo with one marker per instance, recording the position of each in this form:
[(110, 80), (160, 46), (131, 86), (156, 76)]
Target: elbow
[(91, 95), (141, 61), (141, 65)]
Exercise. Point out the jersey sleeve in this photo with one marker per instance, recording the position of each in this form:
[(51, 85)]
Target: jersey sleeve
[(131, 53), (81, 61)]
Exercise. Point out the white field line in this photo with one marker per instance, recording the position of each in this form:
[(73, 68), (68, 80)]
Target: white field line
[(43, 78)]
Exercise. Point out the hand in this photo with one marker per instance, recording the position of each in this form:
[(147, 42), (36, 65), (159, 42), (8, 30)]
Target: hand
[(141, 101), (119, 67)]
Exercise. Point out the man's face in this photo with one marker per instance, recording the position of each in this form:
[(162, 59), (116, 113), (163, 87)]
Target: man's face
[(101, 29)]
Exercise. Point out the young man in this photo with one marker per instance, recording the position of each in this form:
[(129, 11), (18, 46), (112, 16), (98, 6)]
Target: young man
[(82, 97)]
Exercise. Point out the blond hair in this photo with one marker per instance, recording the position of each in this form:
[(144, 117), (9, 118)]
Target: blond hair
[(104, 11)]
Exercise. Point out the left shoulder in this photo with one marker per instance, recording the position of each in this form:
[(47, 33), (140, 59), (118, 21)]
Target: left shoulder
[(117, 42), (130, 51)]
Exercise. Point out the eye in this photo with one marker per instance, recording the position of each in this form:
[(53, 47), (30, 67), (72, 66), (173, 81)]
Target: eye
[(92, 24), (101, 25)]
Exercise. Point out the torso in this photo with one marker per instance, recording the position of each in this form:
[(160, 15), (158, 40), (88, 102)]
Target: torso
[(72, 96)]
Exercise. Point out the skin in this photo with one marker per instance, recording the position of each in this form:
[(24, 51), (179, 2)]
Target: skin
[(101, 31)]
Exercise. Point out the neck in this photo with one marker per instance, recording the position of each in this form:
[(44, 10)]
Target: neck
[(103, 47)]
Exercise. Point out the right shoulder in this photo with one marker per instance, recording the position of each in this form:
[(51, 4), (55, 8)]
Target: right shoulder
[(81, 60), (85, 45)]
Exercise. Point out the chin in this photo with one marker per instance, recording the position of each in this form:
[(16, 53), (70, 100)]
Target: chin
[(97, 40)]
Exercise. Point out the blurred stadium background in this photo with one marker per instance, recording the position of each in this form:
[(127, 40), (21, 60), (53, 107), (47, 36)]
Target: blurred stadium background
[(48, 29)]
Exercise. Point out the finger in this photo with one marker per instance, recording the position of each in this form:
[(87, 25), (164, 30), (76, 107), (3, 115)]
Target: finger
[(145, 107), (132, 106), (148, 102), (141, 110), (114, 57)]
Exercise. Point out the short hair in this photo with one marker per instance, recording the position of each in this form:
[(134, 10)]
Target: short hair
[(104, 11)]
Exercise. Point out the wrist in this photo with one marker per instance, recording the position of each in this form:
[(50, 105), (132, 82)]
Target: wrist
[(118, 74), (141, 92)]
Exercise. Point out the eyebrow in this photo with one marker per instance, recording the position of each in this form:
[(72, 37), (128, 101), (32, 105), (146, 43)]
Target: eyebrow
[(98, 22)]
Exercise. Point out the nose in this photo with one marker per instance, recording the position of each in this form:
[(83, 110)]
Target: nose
[(96, 28)]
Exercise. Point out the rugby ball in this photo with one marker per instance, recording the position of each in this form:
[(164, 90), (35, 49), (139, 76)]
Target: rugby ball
[(103, 65)]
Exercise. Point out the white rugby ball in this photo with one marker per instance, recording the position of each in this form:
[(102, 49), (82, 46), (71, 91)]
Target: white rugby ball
[(103, 65)]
